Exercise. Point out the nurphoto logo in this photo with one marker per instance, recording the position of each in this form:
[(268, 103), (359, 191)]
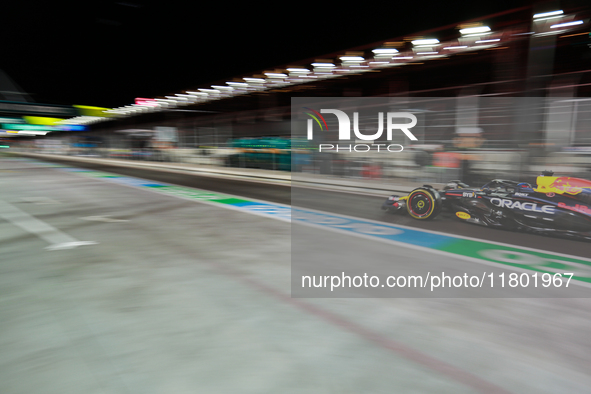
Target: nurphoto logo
[(345, 129)]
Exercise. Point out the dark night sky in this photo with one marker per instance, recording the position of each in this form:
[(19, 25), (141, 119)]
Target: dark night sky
[(106, 53)]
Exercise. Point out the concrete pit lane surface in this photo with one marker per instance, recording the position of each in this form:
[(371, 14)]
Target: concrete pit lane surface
[(111, 286)]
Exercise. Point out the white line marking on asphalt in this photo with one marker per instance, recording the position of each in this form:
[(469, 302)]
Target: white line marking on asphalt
[(105, 219), (69, 245), (53, 236)]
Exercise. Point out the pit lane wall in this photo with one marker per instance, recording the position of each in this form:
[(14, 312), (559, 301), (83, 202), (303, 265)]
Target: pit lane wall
[(420, 163), (474, 138)]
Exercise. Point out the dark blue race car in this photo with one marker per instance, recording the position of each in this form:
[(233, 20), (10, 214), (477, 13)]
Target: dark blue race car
[(554, 206)]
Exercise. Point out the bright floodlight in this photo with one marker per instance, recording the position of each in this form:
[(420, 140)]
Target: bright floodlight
[(551, 13), (324, 65), (226, 88), (238, 84), (486, 41), (209, 90), (426, 41), (276, 75), (475, 30), (352, 58), (257, 80), (298, 70), (566, 24), (385, 51)]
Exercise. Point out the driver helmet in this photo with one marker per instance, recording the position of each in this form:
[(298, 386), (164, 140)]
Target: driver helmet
[(524, 187)]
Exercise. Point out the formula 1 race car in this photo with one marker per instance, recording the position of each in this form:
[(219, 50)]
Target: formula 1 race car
[(555, 206)]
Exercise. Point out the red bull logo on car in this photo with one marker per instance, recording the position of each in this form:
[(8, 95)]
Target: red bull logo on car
[(561, 185), (577, 208)]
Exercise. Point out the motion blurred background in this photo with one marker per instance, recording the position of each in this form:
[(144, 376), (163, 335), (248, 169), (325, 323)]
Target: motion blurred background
[(110, 289), (173, 84)]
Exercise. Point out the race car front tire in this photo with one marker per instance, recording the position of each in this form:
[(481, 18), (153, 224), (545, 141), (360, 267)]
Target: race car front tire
[(423, 203)]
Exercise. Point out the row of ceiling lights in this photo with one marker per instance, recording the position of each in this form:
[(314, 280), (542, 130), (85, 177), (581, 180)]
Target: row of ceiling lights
[(472, 38)]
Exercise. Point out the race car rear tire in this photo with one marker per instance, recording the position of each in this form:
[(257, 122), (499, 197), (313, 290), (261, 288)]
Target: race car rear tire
[(423, 203)]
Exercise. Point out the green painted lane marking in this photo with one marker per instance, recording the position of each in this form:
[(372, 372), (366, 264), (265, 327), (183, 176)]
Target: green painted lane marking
[(232, 201), (196, 194), (497, 253), (522, 258)]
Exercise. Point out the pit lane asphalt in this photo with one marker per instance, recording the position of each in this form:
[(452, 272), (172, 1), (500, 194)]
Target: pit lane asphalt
[(179, 296), (352, 204)]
